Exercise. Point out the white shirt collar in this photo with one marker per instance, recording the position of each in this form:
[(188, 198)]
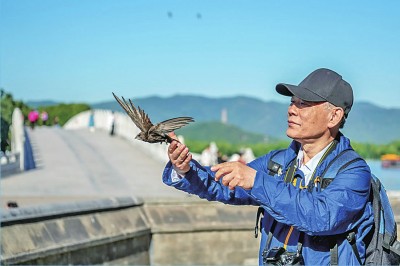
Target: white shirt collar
[(309, 168)]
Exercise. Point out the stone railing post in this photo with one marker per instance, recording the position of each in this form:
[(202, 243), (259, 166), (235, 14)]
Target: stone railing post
[(18, 136)]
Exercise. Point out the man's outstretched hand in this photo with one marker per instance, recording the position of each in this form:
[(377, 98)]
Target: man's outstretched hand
[(235, 174), (179, 155)]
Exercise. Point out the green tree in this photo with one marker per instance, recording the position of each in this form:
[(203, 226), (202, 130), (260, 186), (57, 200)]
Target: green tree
[(62, 112), (7, 106)]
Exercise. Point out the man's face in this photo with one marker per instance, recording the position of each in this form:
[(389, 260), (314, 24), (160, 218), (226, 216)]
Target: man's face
[(307, 121)]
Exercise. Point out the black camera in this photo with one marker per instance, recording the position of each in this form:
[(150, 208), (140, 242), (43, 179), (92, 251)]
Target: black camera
[(279, 256)]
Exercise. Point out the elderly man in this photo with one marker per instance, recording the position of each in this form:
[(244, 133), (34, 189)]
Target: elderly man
[(304, 220)]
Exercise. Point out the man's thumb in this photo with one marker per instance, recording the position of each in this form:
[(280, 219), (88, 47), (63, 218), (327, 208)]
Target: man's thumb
[(172, 135)]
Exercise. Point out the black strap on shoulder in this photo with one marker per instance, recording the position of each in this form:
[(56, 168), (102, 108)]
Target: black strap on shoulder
[(274, 222), (351, 237), (290, 172), (273, 166), (260, 212), (300, 243)]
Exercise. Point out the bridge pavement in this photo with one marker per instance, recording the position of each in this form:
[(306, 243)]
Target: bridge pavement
[(79, 164), (76, 165)]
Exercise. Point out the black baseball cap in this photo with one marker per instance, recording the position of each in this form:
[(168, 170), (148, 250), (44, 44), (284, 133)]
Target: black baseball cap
[(322, 85)]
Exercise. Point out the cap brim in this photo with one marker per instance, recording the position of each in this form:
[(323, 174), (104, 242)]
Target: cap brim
[(299, 92)]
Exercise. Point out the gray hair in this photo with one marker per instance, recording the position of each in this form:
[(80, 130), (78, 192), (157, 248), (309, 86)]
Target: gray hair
[(329, 106)]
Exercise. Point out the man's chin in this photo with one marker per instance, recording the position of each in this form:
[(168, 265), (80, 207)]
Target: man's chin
[(290, 133)]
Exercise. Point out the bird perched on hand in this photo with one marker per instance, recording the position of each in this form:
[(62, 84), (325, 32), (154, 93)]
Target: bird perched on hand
[(149, 132)]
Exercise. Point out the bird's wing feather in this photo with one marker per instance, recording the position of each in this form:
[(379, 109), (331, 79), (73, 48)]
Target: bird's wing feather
[(145, 119), (138, 116), (172, 124)]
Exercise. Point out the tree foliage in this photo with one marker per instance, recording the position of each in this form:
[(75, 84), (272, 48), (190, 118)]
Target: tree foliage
[(375, 151), (7, 106), (61, 113)]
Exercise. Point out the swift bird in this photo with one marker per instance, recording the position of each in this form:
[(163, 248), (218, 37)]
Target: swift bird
[(149, 132)]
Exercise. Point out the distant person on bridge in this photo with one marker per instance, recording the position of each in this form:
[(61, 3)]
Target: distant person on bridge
[(33, 117), (56, 121), (111, 122), (302, 220), (91, 121), (44, 116)]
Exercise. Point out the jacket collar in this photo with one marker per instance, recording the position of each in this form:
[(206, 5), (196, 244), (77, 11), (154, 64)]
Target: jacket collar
[(343, 143)]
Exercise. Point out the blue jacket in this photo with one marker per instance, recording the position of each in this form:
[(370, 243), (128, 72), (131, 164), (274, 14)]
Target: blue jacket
[(341, 207)]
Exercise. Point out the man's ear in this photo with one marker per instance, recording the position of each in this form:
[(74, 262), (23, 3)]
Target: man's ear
[(336, 117)]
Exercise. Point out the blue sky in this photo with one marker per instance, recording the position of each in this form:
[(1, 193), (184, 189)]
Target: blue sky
[(82, 50)]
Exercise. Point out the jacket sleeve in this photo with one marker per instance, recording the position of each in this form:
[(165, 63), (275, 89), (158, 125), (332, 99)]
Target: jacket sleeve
[(200, 181), (337, 209)]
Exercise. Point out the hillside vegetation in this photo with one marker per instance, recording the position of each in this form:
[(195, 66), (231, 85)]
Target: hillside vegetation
[(366, 122), (252, 122)]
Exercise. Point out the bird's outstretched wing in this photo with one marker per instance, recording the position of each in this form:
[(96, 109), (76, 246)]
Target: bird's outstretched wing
[(172, 124), (138, 116)]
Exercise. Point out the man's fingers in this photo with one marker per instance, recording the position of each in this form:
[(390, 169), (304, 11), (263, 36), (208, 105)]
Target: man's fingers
[(183, 155), (172, 147), (222, 171), (180, 159), (178, 150), (180, 155), (233, 184), (227, 179), (234, 174), (185, 161), (216, 167), (188, 158)]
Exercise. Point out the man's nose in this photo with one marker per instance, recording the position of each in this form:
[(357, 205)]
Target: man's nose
[(292, 109)]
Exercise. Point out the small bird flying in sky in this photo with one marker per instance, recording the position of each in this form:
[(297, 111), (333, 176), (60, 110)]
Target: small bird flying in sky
[(149, 132)]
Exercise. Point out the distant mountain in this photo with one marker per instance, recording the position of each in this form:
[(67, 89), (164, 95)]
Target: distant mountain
[(366, 122), (45, 103), (36, 104), (371, 123)]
